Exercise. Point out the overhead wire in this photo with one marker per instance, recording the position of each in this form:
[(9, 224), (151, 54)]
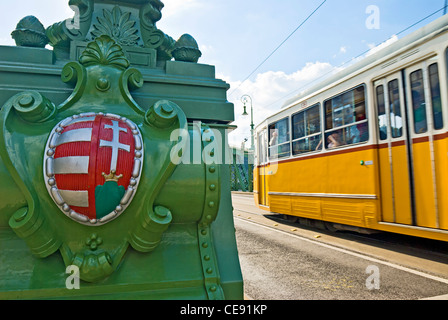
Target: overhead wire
[(355, 58), (279, 46)]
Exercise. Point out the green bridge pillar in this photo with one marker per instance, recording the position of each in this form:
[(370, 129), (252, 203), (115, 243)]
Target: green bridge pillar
[(113, 178)]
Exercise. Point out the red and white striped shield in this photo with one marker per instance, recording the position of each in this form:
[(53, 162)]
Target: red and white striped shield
[(92, 166)]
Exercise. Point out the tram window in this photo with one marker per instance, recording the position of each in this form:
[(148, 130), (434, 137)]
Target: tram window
[(306, 131), (382, 118), (418, 102), (298, 125), (396, 122), (435, 96), (279, 146), (261, 149), (345, 118)]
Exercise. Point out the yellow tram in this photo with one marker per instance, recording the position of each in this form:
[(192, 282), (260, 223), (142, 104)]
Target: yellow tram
[(368, 147)]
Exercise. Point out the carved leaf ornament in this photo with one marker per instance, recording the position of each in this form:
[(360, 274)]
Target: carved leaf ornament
[(118, 26)]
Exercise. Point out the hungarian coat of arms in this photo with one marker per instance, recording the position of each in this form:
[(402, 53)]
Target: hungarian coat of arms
[(92, 166)]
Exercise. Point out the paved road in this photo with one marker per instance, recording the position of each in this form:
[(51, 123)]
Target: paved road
[(286, 261)]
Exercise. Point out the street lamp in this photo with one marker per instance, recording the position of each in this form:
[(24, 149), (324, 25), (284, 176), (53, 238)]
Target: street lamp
[(244, 100)]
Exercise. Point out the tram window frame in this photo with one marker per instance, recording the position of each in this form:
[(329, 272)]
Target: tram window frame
[(436, 98), (393, 92), (310, 137), (262, 152), (381, 109), (418, 100), (279, 141), (349, 124)]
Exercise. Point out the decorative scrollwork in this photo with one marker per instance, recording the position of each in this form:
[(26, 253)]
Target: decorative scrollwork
[(162, 114), (33, 107)]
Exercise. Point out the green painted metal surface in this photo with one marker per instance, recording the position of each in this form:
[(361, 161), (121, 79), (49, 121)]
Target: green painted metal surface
[(149, 218)]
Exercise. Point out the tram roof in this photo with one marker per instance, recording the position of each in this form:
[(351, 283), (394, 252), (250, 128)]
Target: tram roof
[(437, 26)]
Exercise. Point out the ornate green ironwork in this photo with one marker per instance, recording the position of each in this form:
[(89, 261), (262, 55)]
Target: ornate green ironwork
[(133, 222), (132, 24), (104, 76)]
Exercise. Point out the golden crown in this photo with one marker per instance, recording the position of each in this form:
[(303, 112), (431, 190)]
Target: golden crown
[(112, 176)]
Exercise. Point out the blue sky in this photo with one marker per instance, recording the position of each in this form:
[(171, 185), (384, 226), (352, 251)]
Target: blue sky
[(236, 36)]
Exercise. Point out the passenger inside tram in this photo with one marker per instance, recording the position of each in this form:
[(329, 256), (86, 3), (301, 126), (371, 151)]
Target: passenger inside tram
[(334, 140)]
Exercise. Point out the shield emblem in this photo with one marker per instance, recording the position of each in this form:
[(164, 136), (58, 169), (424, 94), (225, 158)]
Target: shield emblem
[(92, 166)]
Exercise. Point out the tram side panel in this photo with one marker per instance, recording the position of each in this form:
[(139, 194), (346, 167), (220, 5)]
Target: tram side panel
[(339, 187), (259, 185), (351, 187), (441, 158), (293, 180)]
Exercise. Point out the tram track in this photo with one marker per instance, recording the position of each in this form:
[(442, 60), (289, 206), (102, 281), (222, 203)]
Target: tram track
[(436, 249), (354, 253), (284, 261), (429, 259)]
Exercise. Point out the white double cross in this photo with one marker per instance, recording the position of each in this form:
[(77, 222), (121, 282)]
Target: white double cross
[(115, 143)]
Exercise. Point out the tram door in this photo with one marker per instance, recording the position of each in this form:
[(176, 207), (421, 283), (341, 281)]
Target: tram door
[(262, 167), (395, 173), (407, 172)]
